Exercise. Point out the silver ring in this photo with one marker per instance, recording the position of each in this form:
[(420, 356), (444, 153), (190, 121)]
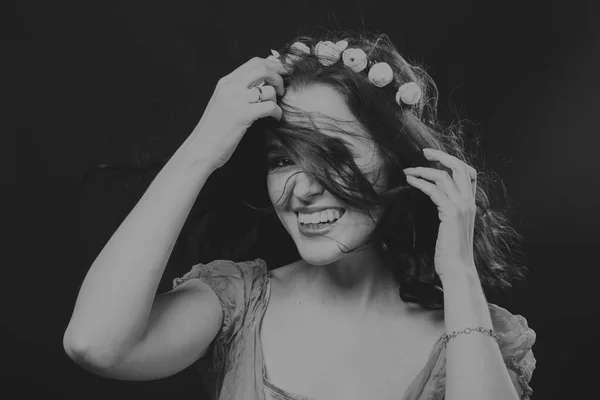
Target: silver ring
[(260, 94)]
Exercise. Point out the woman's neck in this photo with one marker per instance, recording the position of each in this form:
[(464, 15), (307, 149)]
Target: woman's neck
[(357, 284)]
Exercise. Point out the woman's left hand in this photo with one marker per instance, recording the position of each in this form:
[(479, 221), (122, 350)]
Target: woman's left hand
[(455, 199)]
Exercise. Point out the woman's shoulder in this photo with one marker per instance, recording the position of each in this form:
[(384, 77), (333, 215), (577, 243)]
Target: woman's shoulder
[(516, 336), (225, 267), (232, 281), (516, 340), (505, 321)]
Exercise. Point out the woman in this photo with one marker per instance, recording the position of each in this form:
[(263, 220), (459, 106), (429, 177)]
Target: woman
[(382, 297)]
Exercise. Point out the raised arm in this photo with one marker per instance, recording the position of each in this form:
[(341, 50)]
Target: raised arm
[(116, 311), (118, 328)]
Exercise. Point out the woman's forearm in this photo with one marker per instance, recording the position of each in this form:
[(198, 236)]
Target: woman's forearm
[(475, 369)]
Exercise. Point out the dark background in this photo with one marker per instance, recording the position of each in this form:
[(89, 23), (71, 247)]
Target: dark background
[(112, 82)]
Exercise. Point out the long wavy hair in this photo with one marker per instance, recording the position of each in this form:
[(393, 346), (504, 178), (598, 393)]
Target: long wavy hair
[(233, 217)]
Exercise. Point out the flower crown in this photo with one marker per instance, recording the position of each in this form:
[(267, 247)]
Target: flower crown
[(380, 74)]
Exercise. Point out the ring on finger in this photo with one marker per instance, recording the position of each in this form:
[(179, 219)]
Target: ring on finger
[(260, 94), (266, 93)]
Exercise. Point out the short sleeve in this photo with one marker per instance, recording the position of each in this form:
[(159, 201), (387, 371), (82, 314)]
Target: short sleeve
[(516, 343), (233, 283)]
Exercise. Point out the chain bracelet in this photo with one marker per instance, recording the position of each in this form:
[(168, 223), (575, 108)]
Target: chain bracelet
[(446, 338)]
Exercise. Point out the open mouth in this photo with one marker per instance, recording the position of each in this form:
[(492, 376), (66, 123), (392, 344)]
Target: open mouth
[(319, 227)]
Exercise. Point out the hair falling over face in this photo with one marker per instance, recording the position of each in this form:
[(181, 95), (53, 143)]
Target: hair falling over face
[(324, 149)]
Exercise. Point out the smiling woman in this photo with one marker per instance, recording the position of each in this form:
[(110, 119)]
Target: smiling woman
[(378, 251), (349, 227)]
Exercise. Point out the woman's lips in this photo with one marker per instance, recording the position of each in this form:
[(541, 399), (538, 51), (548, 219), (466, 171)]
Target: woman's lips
[(307, 231)]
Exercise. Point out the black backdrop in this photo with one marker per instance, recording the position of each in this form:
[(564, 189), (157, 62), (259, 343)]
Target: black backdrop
[(99, 82)]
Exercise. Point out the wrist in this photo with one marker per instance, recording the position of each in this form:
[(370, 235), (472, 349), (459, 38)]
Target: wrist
[(461, 276), (189, 158)]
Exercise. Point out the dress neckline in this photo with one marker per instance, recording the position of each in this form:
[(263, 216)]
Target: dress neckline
[(294, 396)]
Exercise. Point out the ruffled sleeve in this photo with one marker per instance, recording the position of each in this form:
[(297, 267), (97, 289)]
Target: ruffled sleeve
[(232, 282), (516, 342), (239, 287)]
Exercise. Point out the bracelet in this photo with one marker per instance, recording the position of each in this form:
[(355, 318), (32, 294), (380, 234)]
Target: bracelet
[(446, 338)]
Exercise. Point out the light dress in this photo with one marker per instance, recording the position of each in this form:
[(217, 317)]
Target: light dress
[(233, 368)]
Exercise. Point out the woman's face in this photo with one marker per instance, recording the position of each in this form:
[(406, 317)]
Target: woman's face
[(353, 227)]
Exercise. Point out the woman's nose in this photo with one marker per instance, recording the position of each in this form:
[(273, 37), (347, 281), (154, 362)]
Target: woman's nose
[(306, 187)]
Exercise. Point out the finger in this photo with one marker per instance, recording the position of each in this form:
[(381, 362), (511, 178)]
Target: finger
[(264, 73), (436, 195), (268, 94), (284, 69), (267, 109), (461, 173), (251, 64), (441, 179), (252, 95), (258, 61), (472, 173)]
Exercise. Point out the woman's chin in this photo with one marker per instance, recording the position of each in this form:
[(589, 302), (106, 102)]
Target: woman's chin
[(323, 256)]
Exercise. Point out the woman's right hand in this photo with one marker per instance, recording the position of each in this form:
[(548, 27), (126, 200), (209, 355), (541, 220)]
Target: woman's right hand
[(233, 108)]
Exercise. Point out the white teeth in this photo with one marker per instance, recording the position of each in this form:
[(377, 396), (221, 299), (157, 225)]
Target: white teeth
[(320, 217)]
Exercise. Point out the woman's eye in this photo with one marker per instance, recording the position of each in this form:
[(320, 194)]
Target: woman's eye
[(279, 162)]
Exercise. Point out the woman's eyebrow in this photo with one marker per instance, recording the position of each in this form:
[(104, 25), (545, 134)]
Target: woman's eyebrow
[(274, 145)]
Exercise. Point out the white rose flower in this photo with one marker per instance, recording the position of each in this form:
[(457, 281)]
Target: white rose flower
[(341, 45), (409, 93), (355, 59), (381, 74), (298, 47), (301, 47), (327, 52)]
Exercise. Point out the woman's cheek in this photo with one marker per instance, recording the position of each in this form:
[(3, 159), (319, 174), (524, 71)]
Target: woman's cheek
[(276, 184)]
